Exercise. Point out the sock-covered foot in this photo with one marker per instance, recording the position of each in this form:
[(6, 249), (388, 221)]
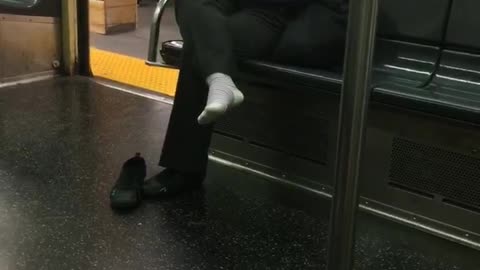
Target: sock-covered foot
[(170, 183), (223, 95), (127, 191)]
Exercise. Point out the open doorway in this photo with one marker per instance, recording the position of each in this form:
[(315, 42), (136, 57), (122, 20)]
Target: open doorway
[(119, 39)]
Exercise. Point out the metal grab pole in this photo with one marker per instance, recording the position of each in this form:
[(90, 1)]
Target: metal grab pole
[(353, 110), (155, 31)]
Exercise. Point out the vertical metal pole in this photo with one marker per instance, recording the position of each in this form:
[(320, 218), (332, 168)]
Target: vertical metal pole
[(353, 110), (155, 31), (83, 33), (69, 36)]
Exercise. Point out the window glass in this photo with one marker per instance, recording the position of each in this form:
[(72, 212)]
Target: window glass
[(19, 3)]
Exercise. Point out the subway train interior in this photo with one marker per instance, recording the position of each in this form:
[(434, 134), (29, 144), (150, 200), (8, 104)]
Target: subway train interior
[(278, 194)]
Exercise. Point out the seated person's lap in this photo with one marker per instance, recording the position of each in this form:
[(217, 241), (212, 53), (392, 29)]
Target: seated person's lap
[(313, 36), (256, 32)]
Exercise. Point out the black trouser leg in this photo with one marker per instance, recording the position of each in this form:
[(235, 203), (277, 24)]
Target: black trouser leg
[(203, 25), (254, 32), (186, 143)]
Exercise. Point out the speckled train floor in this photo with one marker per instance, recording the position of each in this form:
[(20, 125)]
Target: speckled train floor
[(62, 142)]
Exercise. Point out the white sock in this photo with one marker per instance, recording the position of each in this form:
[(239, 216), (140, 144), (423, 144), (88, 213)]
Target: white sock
[(223, 95)]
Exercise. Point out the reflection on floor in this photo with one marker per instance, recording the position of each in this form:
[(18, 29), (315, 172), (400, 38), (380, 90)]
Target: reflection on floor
[(63, 142)]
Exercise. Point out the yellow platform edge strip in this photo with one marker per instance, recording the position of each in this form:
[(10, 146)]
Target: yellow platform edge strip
[(133, 71)]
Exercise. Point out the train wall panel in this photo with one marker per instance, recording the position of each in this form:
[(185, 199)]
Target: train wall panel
[(420, 168), (29, 45)]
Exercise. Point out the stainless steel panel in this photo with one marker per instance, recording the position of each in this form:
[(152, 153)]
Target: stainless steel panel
[(410, 219), (264, 159), (455, 138), (432, 215), (302, 145), (28, 45)]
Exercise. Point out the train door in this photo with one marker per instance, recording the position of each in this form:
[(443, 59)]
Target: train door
[(119, 34)]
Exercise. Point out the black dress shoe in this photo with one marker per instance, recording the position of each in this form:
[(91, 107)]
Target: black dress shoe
[(127, 191), (170, 182)]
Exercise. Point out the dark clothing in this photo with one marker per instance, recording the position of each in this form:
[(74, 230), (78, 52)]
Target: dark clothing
[(315, 38), (221, 30), (218, 32), (214, 34), (279, 2)]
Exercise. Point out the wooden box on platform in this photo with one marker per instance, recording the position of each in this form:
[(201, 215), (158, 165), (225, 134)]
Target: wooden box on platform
[(113, 16)]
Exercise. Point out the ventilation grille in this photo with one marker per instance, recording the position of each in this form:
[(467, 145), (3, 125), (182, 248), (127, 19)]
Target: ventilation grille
[(435, 172)]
